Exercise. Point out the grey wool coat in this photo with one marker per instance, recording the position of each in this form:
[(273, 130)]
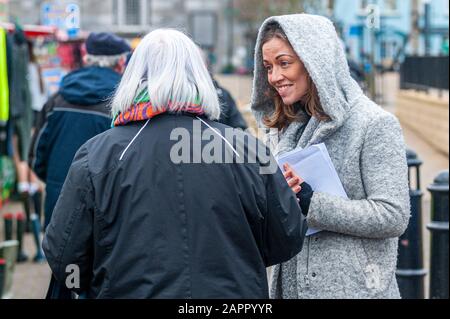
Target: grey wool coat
[(355, 255)]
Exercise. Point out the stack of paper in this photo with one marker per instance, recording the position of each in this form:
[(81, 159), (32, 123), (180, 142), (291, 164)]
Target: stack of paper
[(314, 165)]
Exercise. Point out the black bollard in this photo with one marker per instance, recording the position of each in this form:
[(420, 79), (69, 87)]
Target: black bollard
[(2, 275), (410, 270), (21, 220), (8, 219), (439, 237)]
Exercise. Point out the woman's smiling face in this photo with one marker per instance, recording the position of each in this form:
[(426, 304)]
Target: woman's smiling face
[(285, 72)]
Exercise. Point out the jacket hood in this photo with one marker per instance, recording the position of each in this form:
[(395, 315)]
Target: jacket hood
[(318, 46), (89, 86)]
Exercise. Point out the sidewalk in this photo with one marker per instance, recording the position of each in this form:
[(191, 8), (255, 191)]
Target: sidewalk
[(30, 279)]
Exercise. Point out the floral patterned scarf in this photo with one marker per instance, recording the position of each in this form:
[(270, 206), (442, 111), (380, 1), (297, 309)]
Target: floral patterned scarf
[(142, 109)]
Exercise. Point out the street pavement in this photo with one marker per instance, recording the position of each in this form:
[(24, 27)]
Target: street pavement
[(31, 279)]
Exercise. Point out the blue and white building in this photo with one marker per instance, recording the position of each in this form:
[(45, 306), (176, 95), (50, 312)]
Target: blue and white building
[(387, 27)]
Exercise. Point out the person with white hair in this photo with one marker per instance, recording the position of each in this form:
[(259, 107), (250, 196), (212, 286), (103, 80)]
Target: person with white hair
[(145, 214)]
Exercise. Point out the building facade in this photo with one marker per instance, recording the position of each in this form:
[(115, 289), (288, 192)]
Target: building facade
[(207, 21), (391, 29), (379, 30)]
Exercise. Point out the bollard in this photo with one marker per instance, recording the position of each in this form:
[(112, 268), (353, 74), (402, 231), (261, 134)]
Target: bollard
[(2, 275), (439, 237), (8, 219), (410, 270), (21, 220)]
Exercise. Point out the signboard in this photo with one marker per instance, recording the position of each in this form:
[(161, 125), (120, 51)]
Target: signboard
[(72, 20), (4, 12), (61, 15)]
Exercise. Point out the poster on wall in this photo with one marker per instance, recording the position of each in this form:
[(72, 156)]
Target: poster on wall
[(63, 16), (52, 79)]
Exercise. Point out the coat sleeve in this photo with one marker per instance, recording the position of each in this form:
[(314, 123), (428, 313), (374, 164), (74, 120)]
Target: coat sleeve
[(385, 211), (40, 142), (68, 239), (285, 226), (230, 114)]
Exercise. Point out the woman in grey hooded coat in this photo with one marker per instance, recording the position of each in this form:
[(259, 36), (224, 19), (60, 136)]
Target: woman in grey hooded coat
[(355, 254)]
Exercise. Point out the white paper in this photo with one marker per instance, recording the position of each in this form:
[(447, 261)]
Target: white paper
[(314, 165)]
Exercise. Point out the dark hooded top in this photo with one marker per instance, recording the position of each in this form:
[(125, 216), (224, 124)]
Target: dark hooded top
[(75, 114)]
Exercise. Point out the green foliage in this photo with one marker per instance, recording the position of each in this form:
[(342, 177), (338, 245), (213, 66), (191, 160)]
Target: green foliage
[(7, 177)]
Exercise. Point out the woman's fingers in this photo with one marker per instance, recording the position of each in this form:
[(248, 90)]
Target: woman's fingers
[(288, 171), (288, 174), (293, 182)]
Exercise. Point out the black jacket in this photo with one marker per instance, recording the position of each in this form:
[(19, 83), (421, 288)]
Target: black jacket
[(230, 114), (139, 225)]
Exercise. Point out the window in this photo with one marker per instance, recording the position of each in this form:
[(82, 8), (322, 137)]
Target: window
[(390, 5), (329, 7), (203, 27), (363, 5), (132, 12), (115, 12)]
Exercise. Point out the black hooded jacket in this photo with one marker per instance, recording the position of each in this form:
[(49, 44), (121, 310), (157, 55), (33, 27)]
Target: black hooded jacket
[(139, 224)]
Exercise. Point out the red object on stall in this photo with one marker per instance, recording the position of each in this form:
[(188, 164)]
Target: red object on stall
[(37, 31), (32, 30)]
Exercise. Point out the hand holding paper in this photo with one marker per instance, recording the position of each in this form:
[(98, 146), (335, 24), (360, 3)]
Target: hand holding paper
[(294, 181), (314, 165)]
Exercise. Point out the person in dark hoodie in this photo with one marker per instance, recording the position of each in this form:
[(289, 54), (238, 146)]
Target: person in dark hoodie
[(76, 113)]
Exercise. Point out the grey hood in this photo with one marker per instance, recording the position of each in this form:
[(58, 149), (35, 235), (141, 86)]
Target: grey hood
[(318, 46)]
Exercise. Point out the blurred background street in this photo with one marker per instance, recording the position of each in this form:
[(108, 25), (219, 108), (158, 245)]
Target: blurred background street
[(398, 50)]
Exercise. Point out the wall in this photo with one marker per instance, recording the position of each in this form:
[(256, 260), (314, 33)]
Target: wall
[(427, 115)]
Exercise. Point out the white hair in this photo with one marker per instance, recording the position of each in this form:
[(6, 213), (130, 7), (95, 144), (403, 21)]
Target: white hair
[(175, 73)]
